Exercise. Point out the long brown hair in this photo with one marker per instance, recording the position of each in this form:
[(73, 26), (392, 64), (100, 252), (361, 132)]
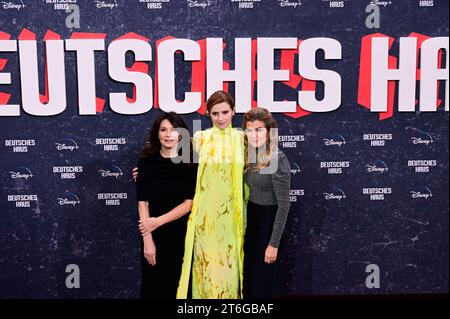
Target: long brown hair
[(263, 158)]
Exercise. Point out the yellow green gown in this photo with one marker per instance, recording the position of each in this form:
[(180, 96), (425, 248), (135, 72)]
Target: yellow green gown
[(214, 239)]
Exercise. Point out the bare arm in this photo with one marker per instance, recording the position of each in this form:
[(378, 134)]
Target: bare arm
[(144, 214), (149, 224), (149, 245), (143, 210)]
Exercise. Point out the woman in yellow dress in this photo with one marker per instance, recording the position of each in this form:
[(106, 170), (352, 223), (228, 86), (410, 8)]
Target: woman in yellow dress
[(213, 253)]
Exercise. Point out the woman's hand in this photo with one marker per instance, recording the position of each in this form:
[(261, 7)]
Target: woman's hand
[(135, 173), (146, 226), (150, 250), (271, 254)]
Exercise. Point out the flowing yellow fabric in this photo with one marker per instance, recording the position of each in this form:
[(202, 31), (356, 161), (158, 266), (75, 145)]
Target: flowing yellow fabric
[(214, 251)]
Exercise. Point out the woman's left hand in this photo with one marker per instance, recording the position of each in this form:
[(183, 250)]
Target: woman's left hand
[(148, 225), (271, 254)]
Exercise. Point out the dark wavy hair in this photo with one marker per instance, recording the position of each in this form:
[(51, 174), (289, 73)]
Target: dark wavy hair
[(152, 143)]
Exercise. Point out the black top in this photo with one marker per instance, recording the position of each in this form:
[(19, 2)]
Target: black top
[(165, 185)]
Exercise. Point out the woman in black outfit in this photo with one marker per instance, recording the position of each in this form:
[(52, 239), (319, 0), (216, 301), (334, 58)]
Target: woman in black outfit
[(164, 192)]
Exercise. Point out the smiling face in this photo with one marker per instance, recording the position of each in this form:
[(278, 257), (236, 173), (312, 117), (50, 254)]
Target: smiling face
[(256, 133), (168, 135), (221, 115)]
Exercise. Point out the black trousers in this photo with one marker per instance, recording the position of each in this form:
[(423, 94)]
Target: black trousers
[(260, 278), (161, 281)]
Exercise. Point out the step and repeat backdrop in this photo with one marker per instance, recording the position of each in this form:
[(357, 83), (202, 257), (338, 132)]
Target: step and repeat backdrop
[(359, 89)]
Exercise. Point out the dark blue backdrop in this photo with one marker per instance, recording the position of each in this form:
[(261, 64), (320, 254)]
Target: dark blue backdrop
[(328, 242)]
